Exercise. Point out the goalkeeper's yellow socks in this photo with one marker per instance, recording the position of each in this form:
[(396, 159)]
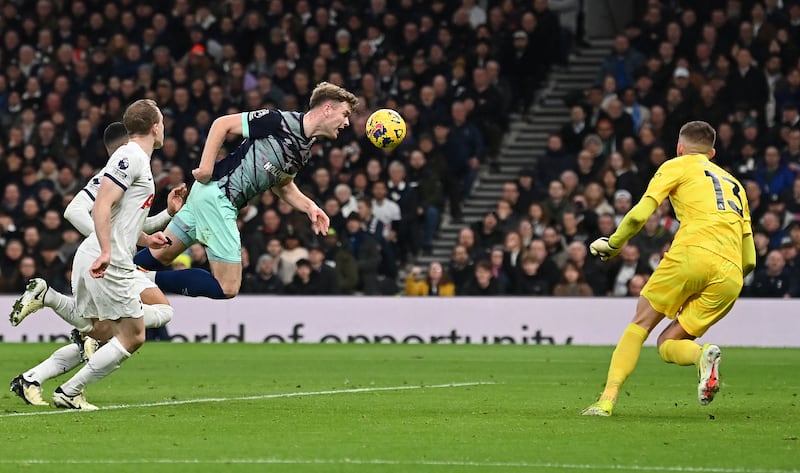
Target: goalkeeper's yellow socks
[(680, 352), (624, 359)]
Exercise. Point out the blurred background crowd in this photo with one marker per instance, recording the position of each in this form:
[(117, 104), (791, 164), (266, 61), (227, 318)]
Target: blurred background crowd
[(460, 72)]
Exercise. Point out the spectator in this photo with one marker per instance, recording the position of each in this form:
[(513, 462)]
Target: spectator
[(366, 250), (324, 276), (405, 197), (487, 233), (14, 251), (435, 283), (593, 274), (487, 113), (460, 268), (482, 283), (557, 201), (342, 260), (507, 219), (526, 192), (548, 268), (302, 283), (530, 279), (293, 251), (652, 238), (553, 163), (572, 283), (263, 280), (773, 280), (774, 176), (628, 264), (573, 132), (623, 201), (747, 85), (464, 152), (523, 64), (499, 270), (26, 270), (347, 202), (622, 63), (513, 249), (430, 202)]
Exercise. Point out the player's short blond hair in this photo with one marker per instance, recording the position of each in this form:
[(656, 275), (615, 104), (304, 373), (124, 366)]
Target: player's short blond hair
[(140, 116), (327, 92), (698, 135)]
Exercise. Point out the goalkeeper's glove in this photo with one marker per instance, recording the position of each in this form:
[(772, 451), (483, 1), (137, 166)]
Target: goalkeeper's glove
[(602, 248)]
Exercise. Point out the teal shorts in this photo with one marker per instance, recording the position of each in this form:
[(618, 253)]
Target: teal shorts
[(209, 218)]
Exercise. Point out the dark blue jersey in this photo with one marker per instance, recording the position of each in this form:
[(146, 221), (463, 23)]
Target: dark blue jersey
[(274, 150)]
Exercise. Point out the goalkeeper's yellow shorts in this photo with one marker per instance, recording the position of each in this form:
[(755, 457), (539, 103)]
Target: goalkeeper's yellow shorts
[(694, 285)]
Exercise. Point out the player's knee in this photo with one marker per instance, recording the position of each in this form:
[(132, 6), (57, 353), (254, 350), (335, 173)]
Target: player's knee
[(136, 341), (230, 292), (230, 289), (102, 331), (163, 255)]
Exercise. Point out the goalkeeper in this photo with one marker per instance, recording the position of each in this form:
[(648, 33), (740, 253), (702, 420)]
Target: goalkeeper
[(700, 277)]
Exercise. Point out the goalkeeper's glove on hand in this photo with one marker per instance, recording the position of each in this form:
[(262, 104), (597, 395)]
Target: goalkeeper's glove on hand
[(602, 248)]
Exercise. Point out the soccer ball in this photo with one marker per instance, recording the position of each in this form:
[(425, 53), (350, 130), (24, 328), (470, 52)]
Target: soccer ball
[(386, 128)]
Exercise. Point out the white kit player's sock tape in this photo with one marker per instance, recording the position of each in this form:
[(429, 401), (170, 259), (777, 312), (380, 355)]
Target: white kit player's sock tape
[(64, 306), (61, 361), (104, 361), (157, 315)]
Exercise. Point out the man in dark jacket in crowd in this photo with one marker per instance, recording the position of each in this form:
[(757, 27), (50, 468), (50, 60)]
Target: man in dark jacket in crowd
[(264, 280), (324, 276)]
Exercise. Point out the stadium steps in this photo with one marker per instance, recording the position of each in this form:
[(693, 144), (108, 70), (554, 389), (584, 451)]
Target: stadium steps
[(525, 141)]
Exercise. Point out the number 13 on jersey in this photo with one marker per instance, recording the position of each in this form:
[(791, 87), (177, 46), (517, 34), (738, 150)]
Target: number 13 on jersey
[(717, 181)]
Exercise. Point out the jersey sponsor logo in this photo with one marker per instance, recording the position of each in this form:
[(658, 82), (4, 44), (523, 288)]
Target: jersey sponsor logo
[(257, 114), (148, 202), (280, 174)]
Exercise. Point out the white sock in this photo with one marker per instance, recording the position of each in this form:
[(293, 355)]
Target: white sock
[(64, 306), (61, 361), (101, 364), (157, 315)]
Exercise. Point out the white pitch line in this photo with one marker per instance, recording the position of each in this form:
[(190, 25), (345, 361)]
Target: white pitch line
[(252, 398), (409, 463)]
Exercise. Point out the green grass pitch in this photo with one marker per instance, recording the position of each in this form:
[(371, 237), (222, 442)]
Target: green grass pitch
[(405, 408)]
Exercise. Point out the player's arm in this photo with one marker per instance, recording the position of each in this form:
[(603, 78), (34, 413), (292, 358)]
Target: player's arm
[(748, 254), (79, 213), (110, 193), (288, 191), (155, 241), (667, 177), (634, 220), (216, 137)]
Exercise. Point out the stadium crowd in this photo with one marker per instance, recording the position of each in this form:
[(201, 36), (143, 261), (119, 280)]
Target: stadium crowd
[(457, 71)]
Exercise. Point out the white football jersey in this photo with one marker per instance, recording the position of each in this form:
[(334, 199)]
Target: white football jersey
[(93, 185), (129, 168)]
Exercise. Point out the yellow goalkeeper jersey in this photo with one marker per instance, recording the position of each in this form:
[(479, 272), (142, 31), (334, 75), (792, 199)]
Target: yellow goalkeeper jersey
[(710, 204)]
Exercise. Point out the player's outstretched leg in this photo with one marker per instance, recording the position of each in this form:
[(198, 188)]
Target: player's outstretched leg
[(708, 373), (29, 391), (30, 301)]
